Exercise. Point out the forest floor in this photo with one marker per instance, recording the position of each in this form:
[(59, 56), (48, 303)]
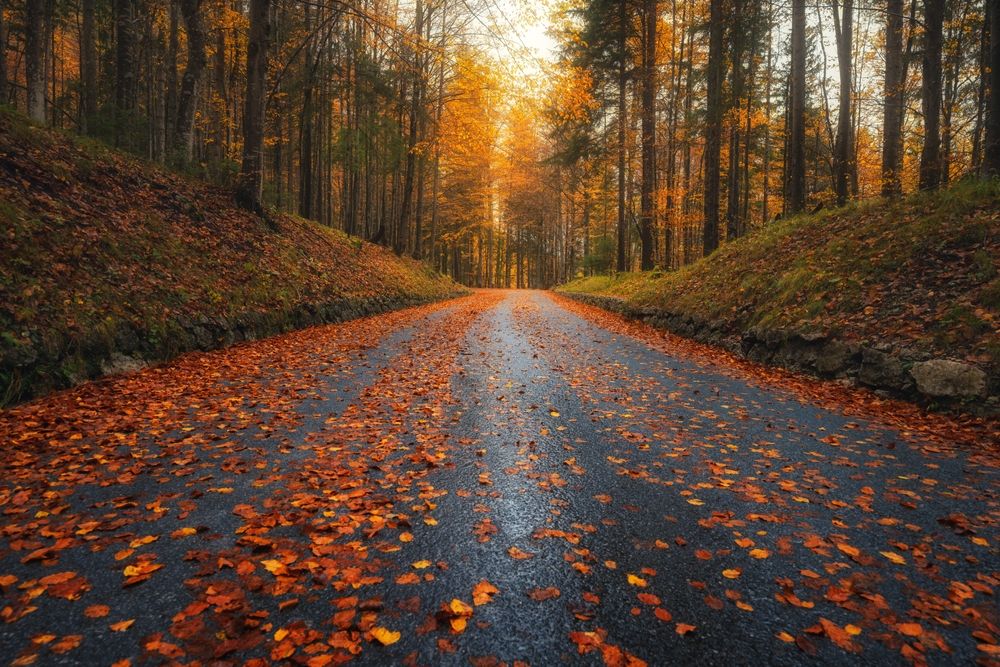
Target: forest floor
[(110, 262), (506, 477)]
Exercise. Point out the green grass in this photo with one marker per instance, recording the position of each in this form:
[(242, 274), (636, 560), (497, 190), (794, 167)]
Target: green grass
[(920, 271)]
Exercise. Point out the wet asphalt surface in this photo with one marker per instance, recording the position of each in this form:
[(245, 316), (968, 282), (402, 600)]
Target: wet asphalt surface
[(602, 485)]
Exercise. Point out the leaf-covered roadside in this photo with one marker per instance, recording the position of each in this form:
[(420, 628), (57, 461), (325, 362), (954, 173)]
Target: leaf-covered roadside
[(950, 430), (104, 253), (920, 275)]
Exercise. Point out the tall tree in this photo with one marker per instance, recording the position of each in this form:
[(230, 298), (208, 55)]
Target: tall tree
[(416, 85), (88, 63), (795, 160), (991, 147), (36, 48), (713, 125), (251, 178), (125, 74), (622, 37), (648, 205), (3, 52), (191, 80), (892, 115), (843, 152), (931, 92), (306, 120)]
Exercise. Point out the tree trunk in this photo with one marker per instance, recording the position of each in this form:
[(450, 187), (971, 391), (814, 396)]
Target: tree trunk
[(306, 124), (35, 64), (421, 166), (3, 53), (88, 65), (930, 155), (403, 230), (622, 81), (648, 133), (765, 212), (250, 183), (736, 103), (191, 80), (795, 161), (991, 147), (173, 45), (892, 118), (981, 89), (688, 240), (713, 127), (843, 160), (221, 111), (125, 82), (952, 61)]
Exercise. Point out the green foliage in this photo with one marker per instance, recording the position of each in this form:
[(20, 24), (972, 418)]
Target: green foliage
[(989, 297), (600, 256)]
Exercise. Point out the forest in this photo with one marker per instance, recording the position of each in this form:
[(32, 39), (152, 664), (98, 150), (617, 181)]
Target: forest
[(656, 131)]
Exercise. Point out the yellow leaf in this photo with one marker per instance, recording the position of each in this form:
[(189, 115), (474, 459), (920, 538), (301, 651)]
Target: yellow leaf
[(122, 626), (483, 592), (894, 557), (385, 636), (636, 581), (273, 566), (848, 549), (731, 573), (459, 608)]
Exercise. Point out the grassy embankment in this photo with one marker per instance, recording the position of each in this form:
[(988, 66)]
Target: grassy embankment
[(918, 277), (107, 260)]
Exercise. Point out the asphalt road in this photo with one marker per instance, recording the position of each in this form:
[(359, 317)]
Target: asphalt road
[(589, 493)]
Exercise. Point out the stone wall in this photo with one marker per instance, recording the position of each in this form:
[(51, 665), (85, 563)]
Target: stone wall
[(32, 370), (937, 383)]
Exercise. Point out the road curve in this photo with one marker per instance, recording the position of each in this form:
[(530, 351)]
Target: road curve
[(504, 478)]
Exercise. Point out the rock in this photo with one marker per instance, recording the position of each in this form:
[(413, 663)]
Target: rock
[(22, 353), (944, 378), (813, 336), (121, 363), (879, 369), (834, 356), (202, 337)]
